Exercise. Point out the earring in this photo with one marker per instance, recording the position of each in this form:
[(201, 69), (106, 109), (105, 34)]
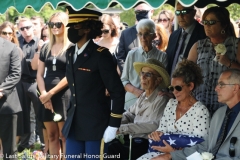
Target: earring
[(223, 31)]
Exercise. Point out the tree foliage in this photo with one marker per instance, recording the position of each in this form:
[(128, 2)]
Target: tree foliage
[(126, 16), (45, 13)]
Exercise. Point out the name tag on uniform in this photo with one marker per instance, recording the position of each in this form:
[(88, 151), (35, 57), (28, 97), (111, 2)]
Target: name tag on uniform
[(84, 69)]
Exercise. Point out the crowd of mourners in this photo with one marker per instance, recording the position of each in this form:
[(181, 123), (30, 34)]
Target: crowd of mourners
[(86, 86)]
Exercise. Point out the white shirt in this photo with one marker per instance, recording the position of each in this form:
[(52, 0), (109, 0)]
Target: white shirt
[(79, 51)]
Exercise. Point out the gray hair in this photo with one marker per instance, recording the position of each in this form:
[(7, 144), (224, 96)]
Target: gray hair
[(146, 24), (235, 75)]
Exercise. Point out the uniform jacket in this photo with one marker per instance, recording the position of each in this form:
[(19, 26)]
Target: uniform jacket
[(128, 40), (10, 74), (90, 111), (211, 140), (197, 34)]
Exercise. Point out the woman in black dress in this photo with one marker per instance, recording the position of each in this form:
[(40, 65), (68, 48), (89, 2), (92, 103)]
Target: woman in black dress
[(52, 56)]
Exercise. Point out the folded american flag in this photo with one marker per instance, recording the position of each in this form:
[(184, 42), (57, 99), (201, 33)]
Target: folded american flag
[(175, 140)]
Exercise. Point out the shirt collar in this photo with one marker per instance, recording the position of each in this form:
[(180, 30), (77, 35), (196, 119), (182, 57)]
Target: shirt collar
[(190, 29), (154, 94), (236, 108), (79, 51), (152, 51)]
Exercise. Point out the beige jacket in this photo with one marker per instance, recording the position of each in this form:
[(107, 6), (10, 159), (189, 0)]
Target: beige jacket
[(144, 115)]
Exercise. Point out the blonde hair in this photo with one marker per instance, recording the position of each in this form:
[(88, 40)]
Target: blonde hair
[(63, 17), (163, 37)]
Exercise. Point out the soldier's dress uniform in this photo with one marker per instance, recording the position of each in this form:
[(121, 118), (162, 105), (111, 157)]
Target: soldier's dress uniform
[(91, 111)]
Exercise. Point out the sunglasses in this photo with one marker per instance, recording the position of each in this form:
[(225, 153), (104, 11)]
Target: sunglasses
[(210, 22), (56, 24), (105, 31), (27, 28), (183, 12), (7, 33), (147, 74), (178, 88), (141, 12), (163, 20)]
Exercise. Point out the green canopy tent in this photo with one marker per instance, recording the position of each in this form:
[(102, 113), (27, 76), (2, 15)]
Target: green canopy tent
[(20, 5)]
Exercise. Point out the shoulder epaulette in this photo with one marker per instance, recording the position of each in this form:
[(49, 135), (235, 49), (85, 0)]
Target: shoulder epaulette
[(100, 49)]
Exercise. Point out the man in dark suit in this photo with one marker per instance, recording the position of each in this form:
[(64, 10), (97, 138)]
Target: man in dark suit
[(128, 39), (10, 73), (194, 30), (91, 120)]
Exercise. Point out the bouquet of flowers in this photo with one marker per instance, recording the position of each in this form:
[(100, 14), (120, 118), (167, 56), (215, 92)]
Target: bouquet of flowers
[(220, 50)]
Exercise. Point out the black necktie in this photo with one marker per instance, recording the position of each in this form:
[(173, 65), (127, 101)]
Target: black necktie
[(179, 49), (222, 134)]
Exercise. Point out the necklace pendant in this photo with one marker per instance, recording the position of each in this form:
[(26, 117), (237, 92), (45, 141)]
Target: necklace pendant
[(54, 68), (54, 60)]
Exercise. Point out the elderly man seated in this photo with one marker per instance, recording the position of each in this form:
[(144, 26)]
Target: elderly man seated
[(144, 115)]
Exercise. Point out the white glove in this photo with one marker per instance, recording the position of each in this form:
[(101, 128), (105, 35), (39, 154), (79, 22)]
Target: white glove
[(109, 134)]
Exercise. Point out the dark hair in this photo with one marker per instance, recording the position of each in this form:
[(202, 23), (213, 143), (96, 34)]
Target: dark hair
[(223, 16), (190, 72), (107, 19), (94, 26), (14, 36), (43, 28)]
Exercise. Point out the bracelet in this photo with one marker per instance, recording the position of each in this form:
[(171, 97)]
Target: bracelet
[(231, 61)]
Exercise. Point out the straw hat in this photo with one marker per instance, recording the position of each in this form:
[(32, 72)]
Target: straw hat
[(157, 66)]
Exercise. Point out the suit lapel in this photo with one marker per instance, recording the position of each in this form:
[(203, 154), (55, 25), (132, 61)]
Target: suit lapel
[(237, 120), (192, 40), (217, 126), (84, 56), (134, 33), (1, 44)]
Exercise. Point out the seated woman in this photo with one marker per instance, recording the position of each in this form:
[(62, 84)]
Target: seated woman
[(144, 115), (183, 115)]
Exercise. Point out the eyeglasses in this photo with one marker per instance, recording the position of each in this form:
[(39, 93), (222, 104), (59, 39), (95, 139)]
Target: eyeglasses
[(163, 20), (147, 74), (221, 85), (178, 88), (105, 31), (56, 24), (6, 33), (141, 12), (27, 28), (144, 34), (210, 22), (183, 12), (156, 42)]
